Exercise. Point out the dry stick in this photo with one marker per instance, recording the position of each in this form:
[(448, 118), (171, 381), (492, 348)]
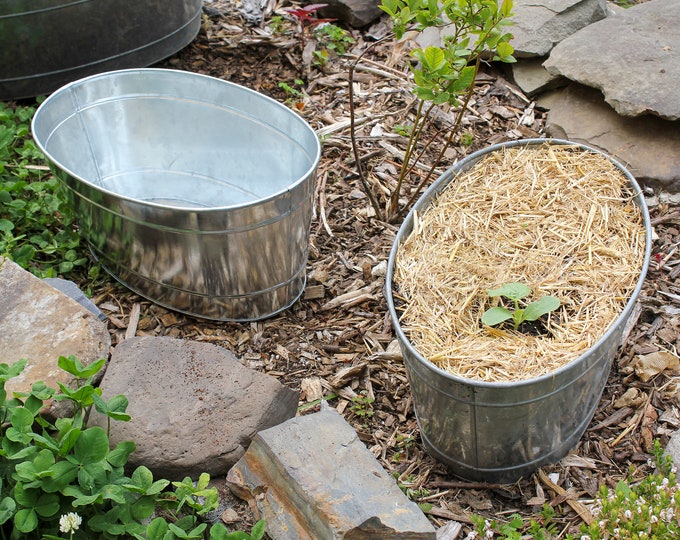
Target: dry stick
[(580, 508), (352, 133)]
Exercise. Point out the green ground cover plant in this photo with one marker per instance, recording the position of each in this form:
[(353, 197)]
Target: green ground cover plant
[(37, 228), (63, 480), (647, 509)]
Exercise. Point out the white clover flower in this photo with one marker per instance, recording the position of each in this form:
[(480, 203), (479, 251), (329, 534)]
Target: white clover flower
[(585, 537), (489, 533), (69, 522), (628, 514), (653, 519)]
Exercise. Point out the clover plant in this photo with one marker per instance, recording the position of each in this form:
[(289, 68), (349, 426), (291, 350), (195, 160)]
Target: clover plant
[(63, 477), (516, 292), (37, 228)]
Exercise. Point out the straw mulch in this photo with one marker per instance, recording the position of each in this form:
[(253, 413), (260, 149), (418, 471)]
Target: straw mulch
[(557, 218)]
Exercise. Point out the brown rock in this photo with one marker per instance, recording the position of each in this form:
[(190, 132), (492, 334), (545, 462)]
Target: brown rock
[(194, 406), (39, 323)]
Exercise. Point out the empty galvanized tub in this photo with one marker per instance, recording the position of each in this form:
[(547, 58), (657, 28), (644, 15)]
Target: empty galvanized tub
[(499, 432), (45, 44), (192, 191)]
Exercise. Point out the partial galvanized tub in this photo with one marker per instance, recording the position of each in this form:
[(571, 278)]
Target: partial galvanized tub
[(499, 432), (45, 44), (192, 191)]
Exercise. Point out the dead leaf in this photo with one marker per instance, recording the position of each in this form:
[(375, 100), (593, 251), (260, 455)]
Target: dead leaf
[(647, 427), (631, 398), (650, 365), (311, 389)]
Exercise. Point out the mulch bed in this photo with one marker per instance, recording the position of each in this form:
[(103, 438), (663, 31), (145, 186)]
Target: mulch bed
[(337, 343)]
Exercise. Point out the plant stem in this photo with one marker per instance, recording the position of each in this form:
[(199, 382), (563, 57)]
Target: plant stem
[(352, 131)]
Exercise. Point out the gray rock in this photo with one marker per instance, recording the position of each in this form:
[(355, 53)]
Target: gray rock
[(40, 324), (356, 13), (648, 145), (532, 78), (537, 24), (71, 289), (633, 57), (311, 478), (194, 406), (673, 448), (540, 24)]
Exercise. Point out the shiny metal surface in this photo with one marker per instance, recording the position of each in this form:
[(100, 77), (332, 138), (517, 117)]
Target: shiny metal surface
[(45, 44), (192, 191), (499, 432)]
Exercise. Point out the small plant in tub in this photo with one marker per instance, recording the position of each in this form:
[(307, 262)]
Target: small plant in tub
[(517, 292)]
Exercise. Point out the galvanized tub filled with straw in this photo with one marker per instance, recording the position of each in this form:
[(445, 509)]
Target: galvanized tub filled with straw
[(493, 403)]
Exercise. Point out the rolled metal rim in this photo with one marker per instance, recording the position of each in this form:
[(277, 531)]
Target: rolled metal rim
[(266, 100), (425, 200)]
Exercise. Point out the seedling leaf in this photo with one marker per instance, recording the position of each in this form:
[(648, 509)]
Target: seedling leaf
[(540, 307), (512, 291), (496, 315)]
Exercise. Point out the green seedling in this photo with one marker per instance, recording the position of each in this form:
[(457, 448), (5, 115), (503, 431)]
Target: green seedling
[(362, 406), (334, 38), (516, 292)]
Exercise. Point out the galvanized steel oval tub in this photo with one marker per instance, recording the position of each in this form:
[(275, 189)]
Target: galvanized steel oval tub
[(45, 44), (192, 191), (499, 432)]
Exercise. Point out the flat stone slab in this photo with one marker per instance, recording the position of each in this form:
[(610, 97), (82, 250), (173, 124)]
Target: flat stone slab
[(194, 406), (633, 57), (648, 145), (540, 24), (40, 323), (311, 478)]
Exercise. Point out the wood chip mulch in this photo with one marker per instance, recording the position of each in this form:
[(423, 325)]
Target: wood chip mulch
[(337, 344)]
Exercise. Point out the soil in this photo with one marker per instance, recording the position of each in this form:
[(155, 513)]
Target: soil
[(336, 342)]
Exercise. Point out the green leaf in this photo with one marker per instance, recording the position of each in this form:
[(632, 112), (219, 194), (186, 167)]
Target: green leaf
[(540, 307), (92, 446), (118, 457), (7, 508), (156, 529), (432, 58), (143, 508), (73, 366), (115, 408), (64, 473), (8, 372), (22, 419), (26, 520), (504, 50), (48, 505), (512, 291), (258, 530), (237, 535), (496, 315)]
